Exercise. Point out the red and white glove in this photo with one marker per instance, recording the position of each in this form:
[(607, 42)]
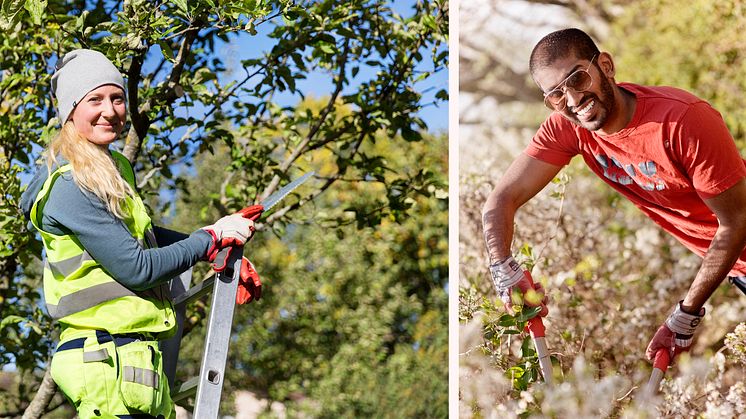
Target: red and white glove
[(513, 284), (249, 286), (676, 334), (231, 230)]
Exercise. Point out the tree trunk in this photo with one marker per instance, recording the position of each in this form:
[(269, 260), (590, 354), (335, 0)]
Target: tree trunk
[(47, 390)]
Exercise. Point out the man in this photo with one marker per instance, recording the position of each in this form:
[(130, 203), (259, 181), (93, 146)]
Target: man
[(664, 149)]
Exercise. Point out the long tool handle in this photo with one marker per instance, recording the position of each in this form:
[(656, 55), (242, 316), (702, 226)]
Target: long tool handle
[(537, 330), (660, 365)]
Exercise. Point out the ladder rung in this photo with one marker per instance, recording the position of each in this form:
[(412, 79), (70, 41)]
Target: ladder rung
[(195, 292), (186, 389)]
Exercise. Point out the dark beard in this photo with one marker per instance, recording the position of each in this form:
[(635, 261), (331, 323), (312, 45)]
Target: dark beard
[(605, 106)]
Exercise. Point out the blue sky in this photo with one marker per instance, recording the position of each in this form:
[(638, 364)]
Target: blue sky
[(244, 46), (318, 84)]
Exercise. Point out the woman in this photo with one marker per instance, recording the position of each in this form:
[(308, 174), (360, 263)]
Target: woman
[(106, 267)]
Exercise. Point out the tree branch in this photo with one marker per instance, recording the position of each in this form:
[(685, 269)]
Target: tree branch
[(329, 181), (163, 158), (47, 390), (224, 98), (165, 96), (133, 142), (315, 129), (399, 73)]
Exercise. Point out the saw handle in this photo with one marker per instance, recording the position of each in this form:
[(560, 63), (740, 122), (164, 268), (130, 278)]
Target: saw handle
[(535, 327), (252, 212)]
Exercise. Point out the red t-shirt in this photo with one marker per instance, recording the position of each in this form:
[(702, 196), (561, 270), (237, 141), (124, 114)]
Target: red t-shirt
[(675, 152)]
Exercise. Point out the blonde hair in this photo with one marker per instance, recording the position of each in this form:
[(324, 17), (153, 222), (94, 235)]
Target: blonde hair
[(93, 168)]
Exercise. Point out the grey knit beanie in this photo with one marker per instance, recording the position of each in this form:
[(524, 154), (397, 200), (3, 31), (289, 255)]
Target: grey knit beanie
[(79, 72)]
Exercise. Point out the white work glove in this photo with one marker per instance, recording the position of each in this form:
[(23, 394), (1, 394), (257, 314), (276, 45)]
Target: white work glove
[(231, 230), (676, 334), (508, 277)]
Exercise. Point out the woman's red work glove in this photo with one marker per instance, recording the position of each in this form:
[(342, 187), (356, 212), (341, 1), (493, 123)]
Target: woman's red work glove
[(508, 278), (676, 334), (249, 286)]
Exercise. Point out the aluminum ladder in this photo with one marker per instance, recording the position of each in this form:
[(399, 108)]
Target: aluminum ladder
[(208, 386)]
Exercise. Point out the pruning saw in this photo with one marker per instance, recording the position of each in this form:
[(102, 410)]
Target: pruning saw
[(253, 212)]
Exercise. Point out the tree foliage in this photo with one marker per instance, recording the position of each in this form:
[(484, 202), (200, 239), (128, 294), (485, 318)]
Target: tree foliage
[(711, 64), (351, 324), (204, 75)]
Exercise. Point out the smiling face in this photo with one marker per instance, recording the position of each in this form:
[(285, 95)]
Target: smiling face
[(592, 109), (101, 114)]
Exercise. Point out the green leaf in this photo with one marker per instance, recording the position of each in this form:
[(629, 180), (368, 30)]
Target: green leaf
[(291, 14), (441, 193), (506, 320), (528, 313), (35, 327), (166, 50), (346, 32), (527, 251), (36, 9), (328, 48), (80, 21), (410, 135), (182, 6), (516, 371), (10, 319), (10, 13), (527, 350)]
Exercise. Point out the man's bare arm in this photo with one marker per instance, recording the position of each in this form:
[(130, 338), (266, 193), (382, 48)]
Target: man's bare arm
[(524, 178), (730, 209)]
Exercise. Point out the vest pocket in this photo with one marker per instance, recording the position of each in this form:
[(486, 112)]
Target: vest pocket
[(140, 375)]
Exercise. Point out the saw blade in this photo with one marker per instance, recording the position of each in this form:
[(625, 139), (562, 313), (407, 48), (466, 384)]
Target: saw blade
[(276, 197)]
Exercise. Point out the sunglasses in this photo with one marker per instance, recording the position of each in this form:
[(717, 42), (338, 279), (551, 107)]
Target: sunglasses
[(579, 81)]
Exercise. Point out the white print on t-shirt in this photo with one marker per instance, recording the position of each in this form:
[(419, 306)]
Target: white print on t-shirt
[(644, 174)]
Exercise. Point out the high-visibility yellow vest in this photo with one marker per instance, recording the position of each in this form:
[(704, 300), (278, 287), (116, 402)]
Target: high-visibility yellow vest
[(80, 294)]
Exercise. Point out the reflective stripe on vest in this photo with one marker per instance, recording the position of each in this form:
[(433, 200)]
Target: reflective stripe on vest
[(67, 266), (87, 298)]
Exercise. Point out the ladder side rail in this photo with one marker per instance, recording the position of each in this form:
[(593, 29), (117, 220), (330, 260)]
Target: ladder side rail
[(219, 325)]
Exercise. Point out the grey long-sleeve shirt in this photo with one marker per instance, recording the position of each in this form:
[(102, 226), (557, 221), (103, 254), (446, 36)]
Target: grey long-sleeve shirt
[(71, 210)]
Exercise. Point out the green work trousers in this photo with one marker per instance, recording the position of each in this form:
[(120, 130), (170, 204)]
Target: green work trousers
[(107, 376)]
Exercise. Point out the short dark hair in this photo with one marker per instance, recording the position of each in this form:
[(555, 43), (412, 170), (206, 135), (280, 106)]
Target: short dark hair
[(560, 44)]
